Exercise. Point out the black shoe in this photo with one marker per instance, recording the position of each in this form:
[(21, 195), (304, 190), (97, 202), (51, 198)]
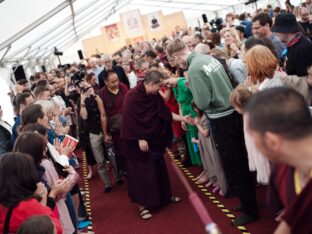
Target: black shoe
[(108, 189), (243, 220), (120, 182), (238, 208)]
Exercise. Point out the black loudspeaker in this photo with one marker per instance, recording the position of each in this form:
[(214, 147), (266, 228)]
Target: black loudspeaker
[(43, 68), (205, 18), (80, 54), (19, 72)]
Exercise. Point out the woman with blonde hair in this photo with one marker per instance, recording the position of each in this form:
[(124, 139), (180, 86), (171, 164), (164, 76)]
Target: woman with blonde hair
[(232, 43)]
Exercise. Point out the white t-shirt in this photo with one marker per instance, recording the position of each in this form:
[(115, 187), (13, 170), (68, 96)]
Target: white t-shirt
[(133, 79)]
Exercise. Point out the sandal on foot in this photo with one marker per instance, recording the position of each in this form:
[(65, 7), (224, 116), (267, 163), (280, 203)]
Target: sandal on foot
[(209, 184), (202, 180), (175, 199), (89, 176), (216, 189), (145, 213), (221, 193)]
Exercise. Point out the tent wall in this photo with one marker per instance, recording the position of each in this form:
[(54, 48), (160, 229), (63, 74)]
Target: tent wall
[(36, 26)]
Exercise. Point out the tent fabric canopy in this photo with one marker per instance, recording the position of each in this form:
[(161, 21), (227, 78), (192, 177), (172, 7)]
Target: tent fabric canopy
[(61, 25), (37, 26)]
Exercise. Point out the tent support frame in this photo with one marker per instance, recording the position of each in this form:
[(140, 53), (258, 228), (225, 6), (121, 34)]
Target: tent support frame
[(35, 24)]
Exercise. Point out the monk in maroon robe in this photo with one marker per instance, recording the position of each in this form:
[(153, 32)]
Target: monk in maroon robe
[(112, 95), (146, 131)]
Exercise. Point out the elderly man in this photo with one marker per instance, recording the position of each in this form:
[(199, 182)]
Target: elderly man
[(188, 40), (305, 23), (202, 48), (108, 65), (94, 68), (280, 124), (299, 47)]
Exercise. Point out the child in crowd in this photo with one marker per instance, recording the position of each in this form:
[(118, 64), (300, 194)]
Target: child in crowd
[(213, 171), (257, 162)]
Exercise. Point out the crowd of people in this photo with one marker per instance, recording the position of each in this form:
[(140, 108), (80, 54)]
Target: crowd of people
[(232, 98)]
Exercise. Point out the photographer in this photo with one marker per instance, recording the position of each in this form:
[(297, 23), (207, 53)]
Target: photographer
[(92, 111), (73, 81)]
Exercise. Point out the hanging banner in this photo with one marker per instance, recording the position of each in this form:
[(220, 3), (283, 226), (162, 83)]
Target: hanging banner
[(154, 21), (133, 23), (112, 32)]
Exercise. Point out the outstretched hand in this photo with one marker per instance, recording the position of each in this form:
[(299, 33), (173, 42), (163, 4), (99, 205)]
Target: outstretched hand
[(171, 82), (188, 119)]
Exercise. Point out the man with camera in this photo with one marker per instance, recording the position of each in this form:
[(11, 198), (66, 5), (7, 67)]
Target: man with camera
[(93, 112)]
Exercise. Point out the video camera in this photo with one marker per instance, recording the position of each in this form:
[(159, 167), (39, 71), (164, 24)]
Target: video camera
[(215, 24), (78, 76)]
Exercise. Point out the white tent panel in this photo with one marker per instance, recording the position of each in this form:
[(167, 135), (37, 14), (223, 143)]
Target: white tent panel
[(39, 32), (63, 25), (19, 14)]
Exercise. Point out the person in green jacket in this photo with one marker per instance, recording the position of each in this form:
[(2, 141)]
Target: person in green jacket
[(211, 89), (184, 97)]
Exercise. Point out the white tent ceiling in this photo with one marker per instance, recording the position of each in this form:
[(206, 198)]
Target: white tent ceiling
[(37, 26), (34, 27)]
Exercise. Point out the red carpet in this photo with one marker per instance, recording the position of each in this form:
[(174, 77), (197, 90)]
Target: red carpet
[(114, 213)]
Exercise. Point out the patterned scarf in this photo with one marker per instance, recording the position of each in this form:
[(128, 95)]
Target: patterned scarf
[(294, 40)]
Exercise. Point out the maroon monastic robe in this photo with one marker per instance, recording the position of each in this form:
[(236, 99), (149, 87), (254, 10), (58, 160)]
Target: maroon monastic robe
[(113, 102), (146, 117), (299, 214)]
